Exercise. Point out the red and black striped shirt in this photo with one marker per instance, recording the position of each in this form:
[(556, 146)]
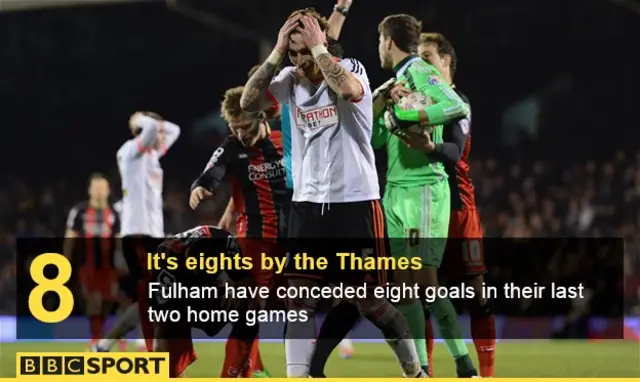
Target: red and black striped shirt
[(96, 229), (257, 176)]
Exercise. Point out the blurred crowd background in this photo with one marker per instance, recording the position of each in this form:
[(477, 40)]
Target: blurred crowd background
[(555, 149)]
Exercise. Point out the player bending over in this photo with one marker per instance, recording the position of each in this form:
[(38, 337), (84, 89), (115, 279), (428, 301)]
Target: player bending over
[(142, 216), (175, 337), (92, 227), (251, 158), (331, 99), (464, 256)]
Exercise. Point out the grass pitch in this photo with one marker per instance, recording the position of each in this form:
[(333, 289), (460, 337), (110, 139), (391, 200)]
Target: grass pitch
[(513, 359)]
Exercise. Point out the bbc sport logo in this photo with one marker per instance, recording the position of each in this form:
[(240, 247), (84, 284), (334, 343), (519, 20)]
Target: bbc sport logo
[(92, 364)]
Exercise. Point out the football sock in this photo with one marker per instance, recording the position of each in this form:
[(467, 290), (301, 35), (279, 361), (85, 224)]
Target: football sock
[(346, 344), (96, 327), (415, 318), (395, 329), (340, 320), (445, 314), (483, 332), (125, 323), (430, 339), (247, 372), (464, 367), (236, 354), (299, 338), (259, 365)]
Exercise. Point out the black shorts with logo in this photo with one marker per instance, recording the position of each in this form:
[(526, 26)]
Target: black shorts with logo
[(323, 230)]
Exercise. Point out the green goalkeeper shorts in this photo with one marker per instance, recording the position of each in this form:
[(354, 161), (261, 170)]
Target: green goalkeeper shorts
[(418, 221)]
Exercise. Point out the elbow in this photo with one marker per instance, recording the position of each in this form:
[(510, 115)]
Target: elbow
[(250, 103), (457, 155), (245, 105), (351, 91), (464, 109), (174, 130)]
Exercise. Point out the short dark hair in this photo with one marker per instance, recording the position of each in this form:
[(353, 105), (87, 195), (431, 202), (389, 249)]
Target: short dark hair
[(444, 47), (403, 29), (97, 176)]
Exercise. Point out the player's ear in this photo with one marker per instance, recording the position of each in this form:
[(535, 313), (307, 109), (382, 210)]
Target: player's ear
[(388, 43), (447, 60)]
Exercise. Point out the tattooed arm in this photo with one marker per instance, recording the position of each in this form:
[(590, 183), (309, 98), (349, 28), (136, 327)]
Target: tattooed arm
[(339, 78), (260, 90), (255, 96)]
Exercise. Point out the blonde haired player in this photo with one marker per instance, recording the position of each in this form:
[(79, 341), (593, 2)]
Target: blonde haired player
[(142, 216)]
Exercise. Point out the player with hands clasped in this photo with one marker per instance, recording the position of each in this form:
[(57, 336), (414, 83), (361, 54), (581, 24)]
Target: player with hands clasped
[(330, 103)]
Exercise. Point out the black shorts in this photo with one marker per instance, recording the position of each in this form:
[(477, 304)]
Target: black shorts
[(134, 250), (323, 230)]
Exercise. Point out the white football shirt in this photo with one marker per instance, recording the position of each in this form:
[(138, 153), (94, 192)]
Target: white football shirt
[(331, 154), (141, 175)]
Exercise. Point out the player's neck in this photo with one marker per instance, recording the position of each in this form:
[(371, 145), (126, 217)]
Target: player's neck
[(97, 204), (399, 58)]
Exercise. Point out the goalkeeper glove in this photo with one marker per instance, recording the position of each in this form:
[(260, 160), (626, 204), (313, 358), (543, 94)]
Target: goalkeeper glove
[(383, 89)]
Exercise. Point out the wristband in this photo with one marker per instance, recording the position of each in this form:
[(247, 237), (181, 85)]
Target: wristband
[(318, 50), (341, 9), (274, 58)]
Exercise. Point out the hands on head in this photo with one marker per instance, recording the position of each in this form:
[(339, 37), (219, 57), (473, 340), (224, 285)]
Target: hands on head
[(306, 26)]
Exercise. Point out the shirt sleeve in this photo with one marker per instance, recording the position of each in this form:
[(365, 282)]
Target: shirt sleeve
[(216, 169), (447, 106), (380, 133), (454, 137), (148, 135), (357, 69), (172, 133), (282, 84), (74, 220)]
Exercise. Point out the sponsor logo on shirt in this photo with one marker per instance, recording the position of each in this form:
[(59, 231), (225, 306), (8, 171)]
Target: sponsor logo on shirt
[(317, 118), (433, 80), (266, 171)]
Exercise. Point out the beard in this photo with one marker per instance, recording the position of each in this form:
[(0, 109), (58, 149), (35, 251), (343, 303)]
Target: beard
[(385, 61), (310, 71)]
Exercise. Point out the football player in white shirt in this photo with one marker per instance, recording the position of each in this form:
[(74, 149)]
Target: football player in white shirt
[(335, 186), (142, 212)]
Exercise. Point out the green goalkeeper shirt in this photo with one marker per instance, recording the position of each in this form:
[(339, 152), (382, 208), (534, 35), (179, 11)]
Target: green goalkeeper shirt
[(406, 166)]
